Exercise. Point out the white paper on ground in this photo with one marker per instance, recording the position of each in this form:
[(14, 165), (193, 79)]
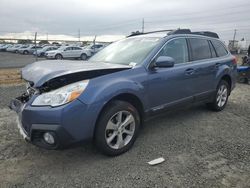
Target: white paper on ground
[(156, 161)]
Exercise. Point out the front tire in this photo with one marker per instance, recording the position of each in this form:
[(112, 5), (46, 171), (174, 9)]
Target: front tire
[(84, 57), (117, 128), (221, 97), (25, 52)]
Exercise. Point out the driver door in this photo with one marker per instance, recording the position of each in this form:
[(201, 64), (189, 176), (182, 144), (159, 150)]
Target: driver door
[(171, 86), (67, 52)]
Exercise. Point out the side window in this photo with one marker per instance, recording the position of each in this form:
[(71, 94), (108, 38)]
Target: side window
[(219, 47), (199, 49), (98, 46), (69, 48), (213, 53), (177, 49)]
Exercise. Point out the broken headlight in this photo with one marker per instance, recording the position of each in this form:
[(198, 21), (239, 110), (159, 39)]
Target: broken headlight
[(62, 95)]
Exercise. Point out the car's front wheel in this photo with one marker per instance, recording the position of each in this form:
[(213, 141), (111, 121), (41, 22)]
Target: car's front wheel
[(84, 57), (221, 96), (117, 128)]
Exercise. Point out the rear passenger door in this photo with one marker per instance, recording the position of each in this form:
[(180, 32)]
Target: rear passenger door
[(202, 66), (77, 51)]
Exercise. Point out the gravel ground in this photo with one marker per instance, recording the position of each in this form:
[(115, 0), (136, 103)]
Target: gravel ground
[(12, 60), (201, 148)]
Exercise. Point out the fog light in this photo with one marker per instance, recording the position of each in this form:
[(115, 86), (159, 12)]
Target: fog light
[(49, 138)]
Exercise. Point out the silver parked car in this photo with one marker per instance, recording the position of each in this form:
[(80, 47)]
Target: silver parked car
[(15, 48), (65, 52), (41, 52), (29, 50), (3, 48)]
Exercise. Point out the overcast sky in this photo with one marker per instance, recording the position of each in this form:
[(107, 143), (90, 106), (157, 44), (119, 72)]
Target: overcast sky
[(112, 19)]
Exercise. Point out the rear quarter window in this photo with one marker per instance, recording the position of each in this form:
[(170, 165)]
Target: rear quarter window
[(219, 48), (199, 49)]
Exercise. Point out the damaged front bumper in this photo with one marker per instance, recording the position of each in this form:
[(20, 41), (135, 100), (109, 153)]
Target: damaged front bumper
[(18, 107), (32, 131), (69, 123)]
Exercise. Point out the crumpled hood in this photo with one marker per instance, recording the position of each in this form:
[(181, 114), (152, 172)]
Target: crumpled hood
[(42, 71)]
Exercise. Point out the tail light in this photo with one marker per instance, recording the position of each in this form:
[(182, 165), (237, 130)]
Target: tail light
[(234, 61)]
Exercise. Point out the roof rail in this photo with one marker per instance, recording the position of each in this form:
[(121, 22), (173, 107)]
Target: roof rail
[(140, 33), (188, 31), (178, 31)]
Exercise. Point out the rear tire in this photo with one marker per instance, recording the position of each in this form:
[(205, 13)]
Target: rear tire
[(25, 52), (59, 56), (117, 128), (221, 97)]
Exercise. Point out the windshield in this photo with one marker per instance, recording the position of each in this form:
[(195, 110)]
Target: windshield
[(127, 51)]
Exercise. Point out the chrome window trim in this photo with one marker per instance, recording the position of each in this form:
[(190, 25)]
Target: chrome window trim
[(188, 37)]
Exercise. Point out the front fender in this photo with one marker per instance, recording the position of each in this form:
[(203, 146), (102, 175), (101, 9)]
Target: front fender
[(103, 93)]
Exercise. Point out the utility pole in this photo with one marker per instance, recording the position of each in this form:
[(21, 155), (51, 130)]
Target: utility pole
[(234, 38), (35, 44), (79, 35), (142, 29), (94, 43), (47, 36)]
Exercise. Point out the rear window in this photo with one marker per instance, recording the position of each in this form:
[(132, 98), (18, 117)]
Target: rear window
[(212, 50), (220, 48), (199, 49)]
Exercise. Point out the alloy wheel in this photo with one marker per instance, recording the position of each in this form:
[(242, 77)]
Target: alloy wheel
[(222, 96), (120, 129)]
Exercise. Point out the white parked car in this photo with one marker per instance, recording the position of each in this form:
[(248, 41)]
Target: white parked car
[(65, 52), (91, 49)]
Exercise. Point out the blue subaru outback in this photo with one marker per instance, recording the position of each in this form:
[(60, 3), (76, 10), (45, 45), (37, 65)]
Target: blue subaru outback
[(107, 98)]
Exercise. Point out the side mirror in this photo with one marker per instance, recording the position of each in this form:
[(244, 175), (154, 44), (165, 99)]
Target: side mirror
[(164, 62)]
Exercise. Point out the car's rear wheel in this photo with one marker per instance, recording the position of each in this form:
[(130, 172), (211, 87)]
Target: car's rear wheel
[(221, 96), (117, 128), (59, 56), (83, 57), (25, 52)]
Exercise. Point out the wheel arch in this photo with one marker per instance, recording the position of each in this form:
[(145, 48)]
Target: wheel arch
[(59, 54), (228, 79), (127, 97)]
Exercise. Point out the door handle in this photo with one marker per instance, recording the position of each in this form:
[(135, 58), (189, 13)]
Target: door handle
[(189, 71), (217, 65)]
